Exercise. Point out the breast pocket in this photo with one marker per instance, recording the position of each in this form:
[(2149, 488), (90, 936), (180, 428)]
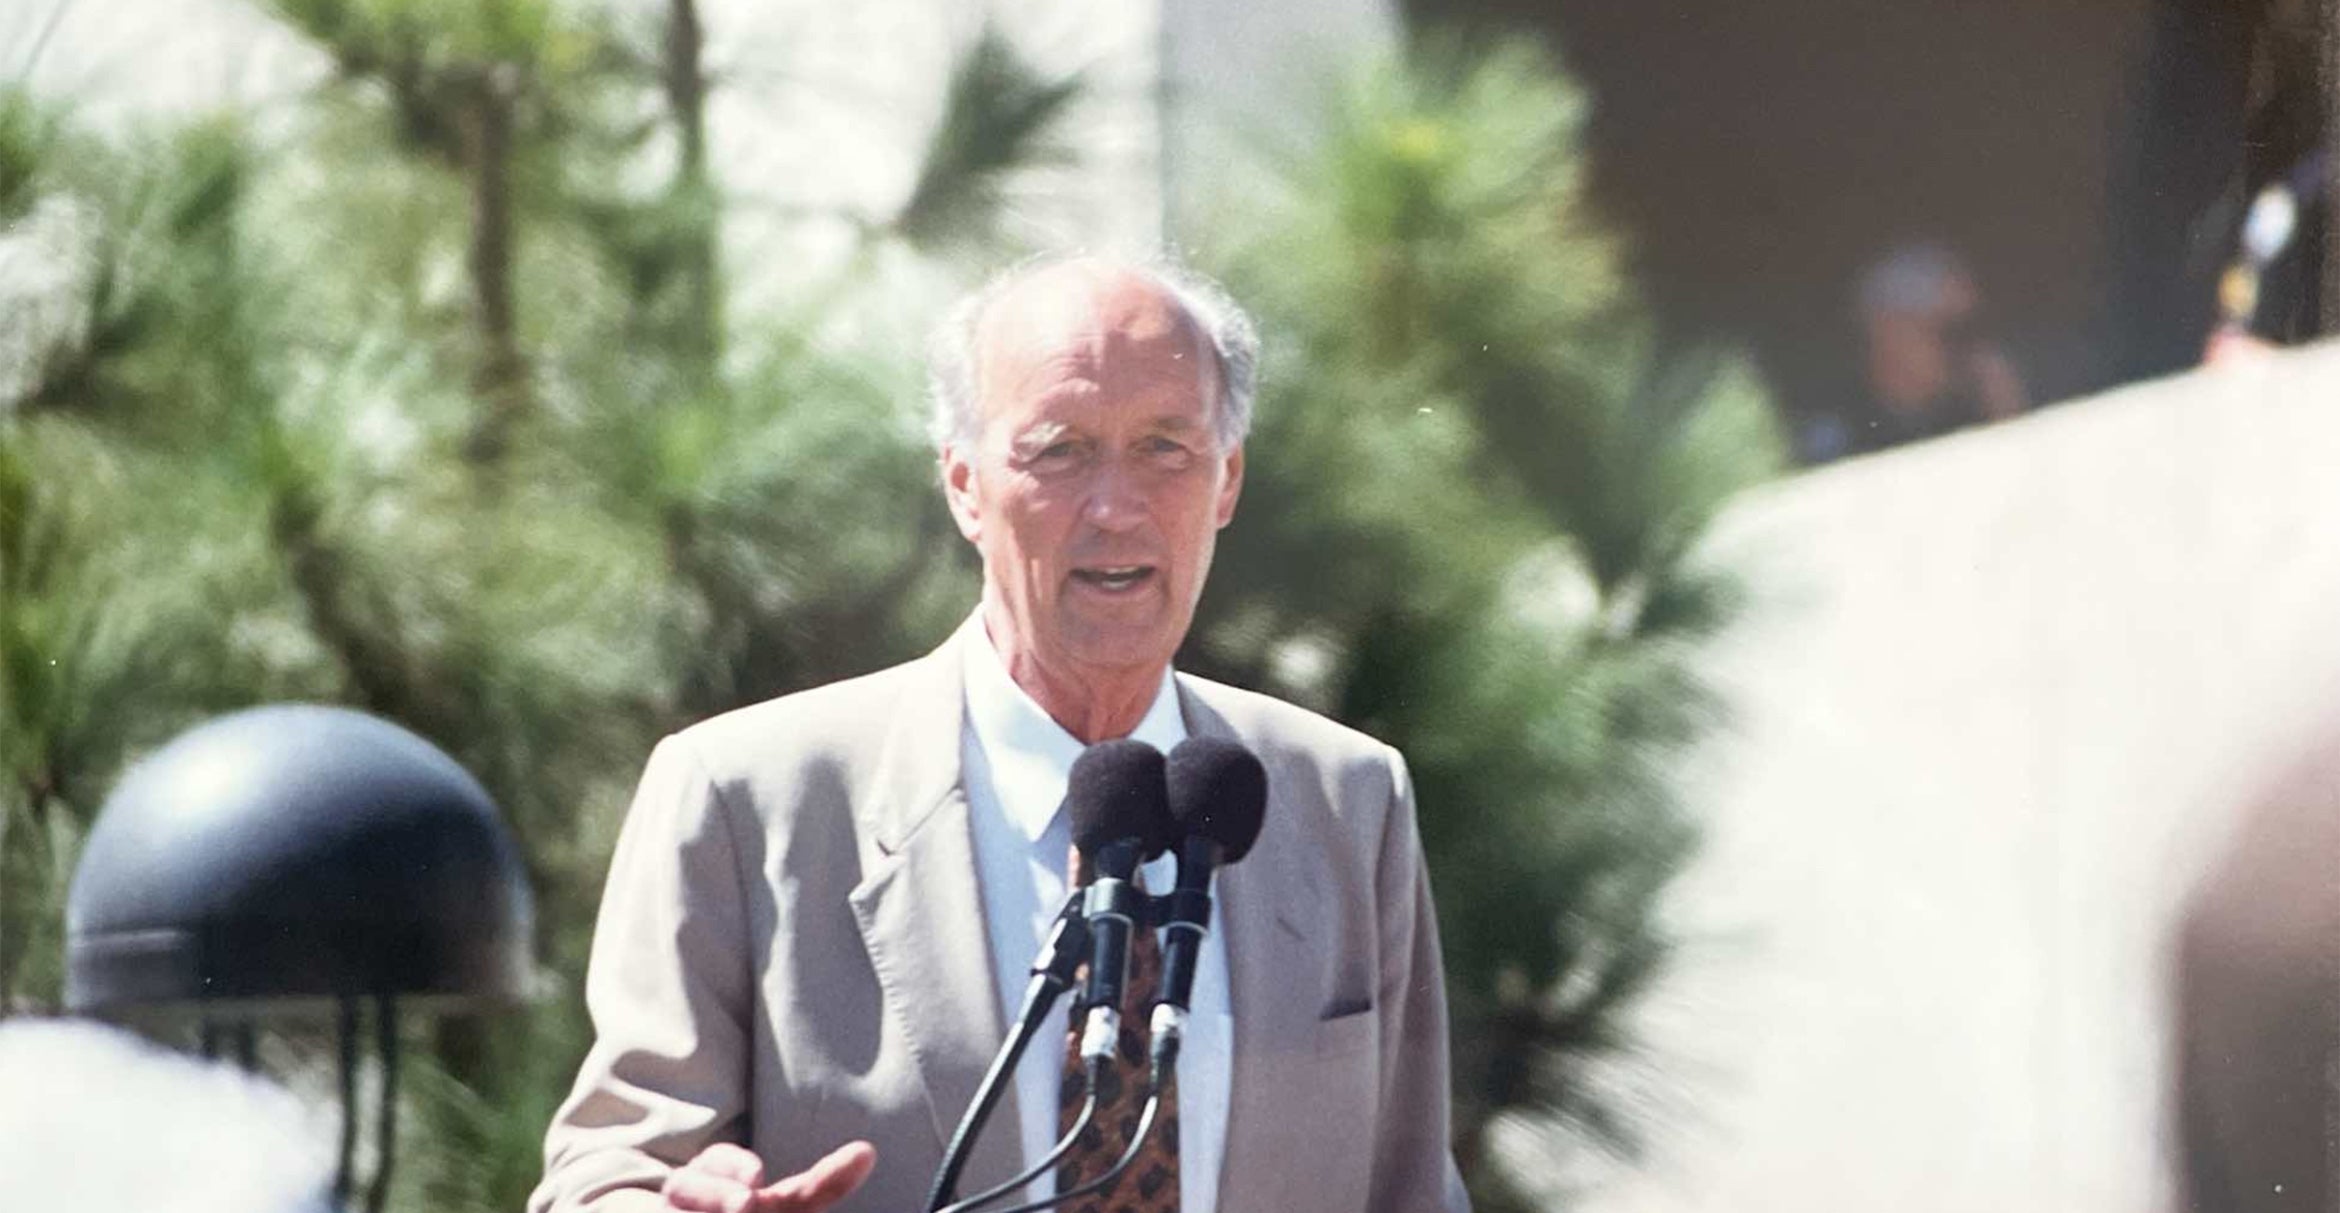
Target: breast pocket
[(1344, 1067), (1347, 1029), (1319, 1074), (1333, 1103)]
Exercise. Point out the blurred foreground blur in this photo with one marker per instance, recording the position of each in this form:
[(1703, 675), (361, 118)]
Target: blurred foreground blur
[(93, 1116), (2021, 697)]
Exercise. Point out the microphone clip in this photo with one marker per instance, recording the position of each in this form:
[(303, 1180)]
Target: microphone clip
[(1111, 898), (1115, 910), (1187, 908), (1067, 945)]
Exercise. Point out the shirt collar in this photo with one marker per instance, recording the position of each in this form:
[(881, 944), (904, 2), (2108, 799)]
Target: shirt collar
[(1031, 755)]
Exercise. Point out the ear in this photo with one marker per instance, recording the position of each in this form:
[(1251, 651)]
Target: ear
[(958, 477), (1231, 487)]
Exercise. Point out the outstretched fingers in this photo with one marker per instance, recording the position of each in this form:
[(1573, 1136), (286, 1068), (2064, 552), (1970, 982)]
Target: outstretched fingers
[(722, 1179), (822, 1184)]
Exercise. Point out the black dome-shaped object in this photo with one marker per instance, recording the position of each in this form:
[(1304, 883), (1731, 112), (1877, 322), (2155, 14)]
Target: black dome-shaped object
[(296, 853)]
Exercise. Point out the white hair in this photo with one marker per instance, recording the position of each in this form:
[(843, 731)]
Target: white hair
[(954, 357)]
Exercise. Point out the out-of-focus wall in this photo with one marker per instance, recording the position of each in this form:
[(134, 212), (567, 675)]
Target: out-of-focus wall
[(1759, 156), (2004, 695)]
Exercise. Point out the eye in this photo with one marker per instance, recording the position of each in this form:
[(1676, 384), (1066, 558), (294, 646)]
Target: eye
[(1055, 455), (1161, 447)]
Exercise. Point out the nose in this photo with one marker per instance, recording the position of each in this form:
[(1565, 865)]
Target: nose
[(1116, 501)]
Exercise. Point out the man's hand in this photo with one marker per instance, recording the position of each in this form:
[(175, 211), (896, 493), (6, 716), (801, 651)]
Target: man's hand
[(725, 1178)]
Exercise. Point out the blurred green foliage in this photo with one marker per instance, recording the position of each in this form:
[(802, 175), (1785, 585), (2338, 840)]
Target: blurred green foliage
[(1474, 492), (429, 400)]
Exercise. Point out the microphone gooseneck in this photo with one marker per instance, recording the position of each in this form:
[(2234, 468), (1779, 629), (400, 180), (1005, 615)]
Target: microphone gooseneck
[(1052, 974)]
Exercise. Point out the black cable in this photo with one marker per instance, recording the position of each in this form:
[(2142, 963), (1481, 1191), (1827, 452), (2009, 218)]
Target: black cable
[(1063, 1146), (1137, 1142)]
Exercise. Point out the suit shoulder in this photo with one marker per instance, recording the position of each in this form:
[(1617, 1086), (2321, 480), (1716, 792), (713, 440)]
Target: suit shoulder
[(1269, 721), (838, 719)]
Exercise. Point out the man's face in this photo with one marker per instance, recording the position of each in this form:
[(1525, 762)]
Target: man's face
[(1095, 487)]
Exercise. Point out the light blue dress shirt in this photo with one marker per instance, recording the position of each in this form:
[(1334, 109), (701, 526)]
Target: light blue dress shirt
[(1015, 761)]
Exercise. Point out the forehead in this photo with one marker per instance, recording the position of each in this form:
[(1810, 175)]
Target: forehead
[(1095, 333)]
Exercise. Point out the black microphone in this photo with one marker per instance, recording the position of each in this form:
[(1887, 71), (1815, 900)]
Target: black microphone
[(1120, 818), (1218, 797)]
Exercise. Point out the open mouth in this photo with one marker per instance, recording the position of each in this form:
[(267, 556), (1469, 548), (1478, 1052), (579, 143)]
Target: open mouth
[(1115, 578)]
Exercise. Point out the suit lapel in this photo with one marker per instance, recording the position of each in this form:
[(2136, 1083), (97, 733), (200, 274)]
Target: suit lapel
[(921, 914), (1263, 905)]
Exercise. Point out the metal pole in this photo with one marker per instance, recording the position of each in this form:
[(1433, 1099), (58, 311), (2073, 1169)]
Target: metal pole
[(349, 1061), (386, 1126), (2328, 77)]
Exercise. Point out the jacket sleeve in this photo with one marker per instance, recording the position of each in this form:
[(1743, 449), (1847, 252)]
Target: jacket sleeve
[(1413, 1161), (670, 993)]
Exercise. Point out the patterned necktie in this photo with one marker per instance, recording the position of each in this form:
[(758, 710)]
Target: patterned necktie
[(1150, 1185)]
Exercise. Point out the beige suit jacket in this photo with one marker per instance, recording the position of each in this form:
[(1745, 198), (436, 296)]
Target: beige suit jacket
[(791, 954)]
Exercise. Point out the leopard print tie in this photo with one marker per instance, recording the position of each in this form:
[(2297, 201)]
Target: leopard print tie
[(1150, 1185)]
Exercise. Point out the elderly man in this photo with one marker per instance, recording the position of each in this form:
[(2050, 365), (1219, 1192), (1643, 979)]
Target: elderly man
[(821, 907)]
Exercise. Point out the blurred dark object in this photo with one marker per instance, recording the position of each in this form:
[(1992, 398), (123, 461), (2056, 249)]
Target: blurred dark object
[(2258, 1005), (2283, 241), (2232, 104), (291, 859), (2269, 295), (293, 854)]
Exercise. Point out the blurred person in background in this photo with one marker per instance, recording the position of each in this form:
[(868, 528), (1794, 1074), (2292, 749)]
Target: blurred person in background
[(1929, 364)]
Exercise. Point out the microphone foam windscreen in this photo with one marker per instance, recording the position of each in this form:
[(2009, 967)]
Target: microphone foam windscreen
[(1218, 789), (1115, 792)]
